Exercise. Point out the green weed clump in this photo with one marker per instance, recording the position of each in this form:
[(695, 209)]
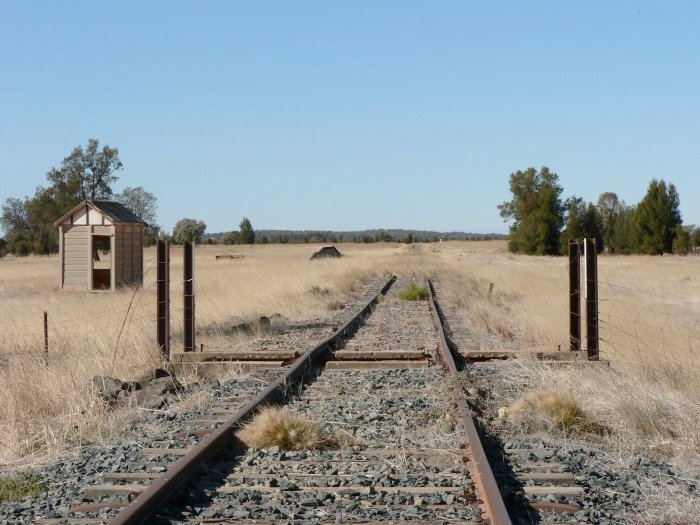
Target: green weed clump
[(414, 293), (21, 487)]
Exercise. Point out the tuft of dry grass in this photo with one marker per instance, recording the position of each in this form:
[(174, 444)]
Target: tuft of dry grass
[(284, 428), (550, 408), (650, 414), (335, 305)]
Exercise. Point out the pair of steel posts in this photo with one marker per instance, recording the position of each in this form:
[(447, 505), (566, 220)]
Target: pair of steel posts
[(163, 297), (590, 256)]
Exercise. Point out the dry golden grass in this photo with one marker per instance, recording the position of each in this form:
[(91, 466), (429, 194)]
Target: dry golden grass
[(284, 428), (648, 324), (550, 408), (649, 397), (46, 408)]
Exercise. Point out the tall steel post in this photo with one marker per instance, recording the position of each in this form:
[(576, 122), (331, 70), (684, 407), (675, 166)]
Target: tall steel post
[(188, 297), (163, 298), (574, 295), (592, 336)]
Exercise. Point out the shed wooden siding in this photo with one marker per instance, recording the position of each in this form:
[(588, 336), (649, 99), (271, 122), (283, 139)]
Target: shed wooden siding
[(76, 262), (129, 254), (77, 230)]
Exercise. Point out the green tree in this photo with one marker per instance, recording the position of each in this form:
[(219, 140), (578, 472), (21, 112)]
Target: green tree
[(188, 230), (87, 173), (695, 237), (682, 243), (14, 218), (537, 212), (409, 238), (247, 234), (143, 204), (384, 236), (230, 238), (623, 242), (656, 219), (608, 206), (583, 220)]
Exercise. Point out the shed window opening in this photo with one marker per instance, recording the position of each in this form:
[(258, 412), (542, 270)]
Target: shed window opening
[(101, 249), (101, 262)]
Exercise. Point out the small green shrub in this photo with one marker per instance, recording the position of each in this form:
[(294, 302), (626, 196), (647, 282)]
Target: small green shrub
[(414, 293), (21, 487)]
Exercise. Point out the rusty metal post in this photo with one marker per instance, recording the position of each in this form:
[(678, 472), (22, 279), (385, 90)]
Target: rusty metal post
[(163, 298), (188, 297), (46, 338), (591, 256), (574, 295)]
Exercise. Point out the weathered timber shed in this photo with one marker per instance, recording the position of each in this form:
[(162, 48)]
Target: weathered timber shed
[(100, 246)]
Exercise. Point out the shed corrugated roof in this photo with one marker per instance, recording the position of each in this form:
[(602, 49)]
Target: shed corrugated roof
[(116, 211)]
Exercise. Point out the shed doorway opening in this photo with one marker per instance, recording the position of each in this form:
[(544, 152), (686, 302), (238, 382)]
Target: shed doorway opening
[(101, 262)]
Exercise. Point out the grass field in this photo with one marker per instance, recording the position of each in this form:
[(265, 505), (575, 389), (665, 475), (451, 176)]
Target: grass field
[(649, 316)]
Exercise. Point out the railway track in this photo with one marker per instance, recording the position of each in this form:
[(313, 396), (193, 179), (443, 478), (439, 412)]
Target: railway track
[(410, 447)]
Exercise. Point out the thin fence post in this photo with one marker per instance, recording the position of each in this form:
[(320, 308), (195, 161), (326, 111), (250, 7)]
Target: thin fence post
[(591, 256), (163, 298), (46, 338), (188, 297), (574, 295), (490, 292)]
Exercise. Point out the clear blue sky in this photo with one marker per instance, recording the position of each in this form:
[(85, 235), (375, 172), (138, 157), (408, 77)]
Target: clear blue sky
[(330, 115)]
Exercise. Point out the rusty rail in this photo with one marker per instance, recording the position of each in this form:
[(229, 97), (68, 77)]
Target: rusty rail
[(494, 508), (156, 494)]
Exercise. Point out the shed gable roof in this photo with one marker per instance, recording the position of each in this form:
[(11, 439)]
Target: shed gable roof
[(113, 210)]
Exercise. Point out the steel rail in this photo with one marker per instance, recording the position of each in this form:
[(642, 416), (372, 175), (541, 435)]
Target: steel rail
[(486, 488), (156, 494)]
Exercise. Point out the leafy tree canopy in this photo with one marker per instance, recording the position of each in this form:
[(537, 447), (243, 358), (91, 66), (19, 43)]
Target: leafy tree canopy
[(143, 204), (656, 219), (87, 173), (537, 211), (188, 230), (247, 234), (583, 221)]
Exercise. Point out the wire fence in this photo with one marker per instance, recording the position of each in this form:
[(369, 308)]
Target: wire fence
[(646, 326)]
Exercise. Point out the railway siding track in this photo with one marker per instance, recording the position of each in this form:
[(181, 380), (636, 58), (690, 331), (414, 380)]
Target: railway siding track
[(399, 464), (379, 388)]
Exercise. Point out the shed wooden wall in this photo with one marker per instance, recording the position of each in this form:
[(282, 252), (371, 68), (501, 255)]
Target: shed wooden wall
[(129, 254), (75, 251)]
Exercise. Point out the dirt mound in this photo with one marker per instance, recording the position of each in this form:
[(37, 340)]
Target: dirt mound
[(326, 251)]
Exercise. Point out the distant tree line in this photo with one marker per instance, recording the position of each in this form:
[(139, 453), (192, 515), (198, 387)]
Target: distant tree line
[(86, 173), (328, 236), (543, 221)]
